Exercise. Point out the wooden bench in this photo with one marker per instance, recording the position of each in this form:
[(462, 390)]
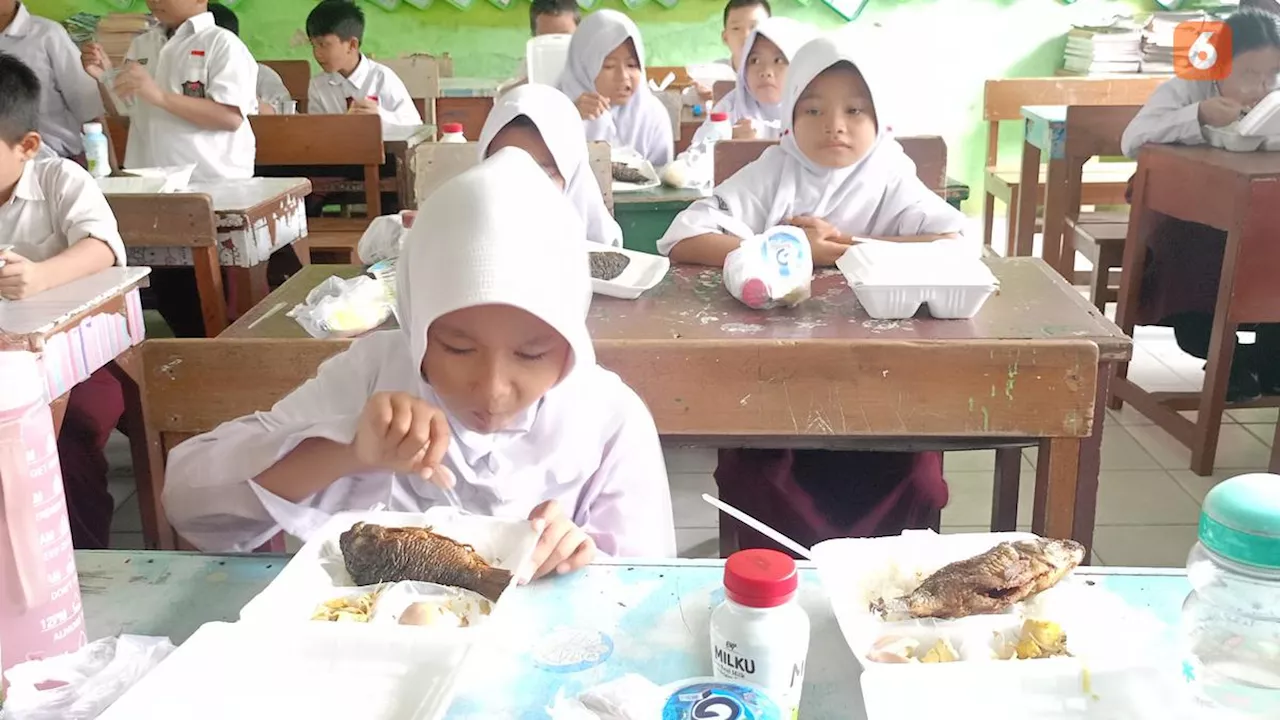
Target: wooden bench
[(1093, 131), (326, 140), (296, 75), (1003, 100), (928, 152)]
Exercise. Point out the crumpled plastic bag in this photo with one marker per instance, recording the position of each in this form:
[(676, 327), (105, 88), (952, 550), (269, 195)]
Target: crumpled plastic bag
[(694, 168), (344, 308), (630, 697), (382, 239), (773, 269), (86, 681)]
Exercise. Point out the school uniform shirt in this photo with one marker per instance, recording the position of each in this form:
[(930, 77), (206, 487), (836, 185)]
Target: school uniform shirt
[(271, 88), (643, 124), (1171, 115), (68, 96), (329, 93), (878, 196), (588, 443), (560, 125), (199, 60), (55, 205)]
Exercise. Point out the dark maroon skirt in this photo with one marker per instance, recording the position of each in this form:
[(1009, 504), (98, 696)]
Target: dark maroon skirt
[(1182, 269), (816, 495)]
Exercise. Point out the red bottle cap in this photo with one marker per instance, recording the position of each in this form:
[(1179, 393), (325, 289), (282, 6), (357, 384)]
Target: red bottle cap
[(197, 53), (760, 578), (719, 116), (451, 128)]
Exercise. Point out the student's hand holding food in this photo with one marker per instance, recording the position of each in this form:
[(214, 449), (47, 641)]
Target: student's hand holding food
[(363, 106), (403, 433), (95, 60), (592, 105), (1220, 111), (19, 277), (562, 546), (744, 129), (135, 82), (825, 240), (705, 92)]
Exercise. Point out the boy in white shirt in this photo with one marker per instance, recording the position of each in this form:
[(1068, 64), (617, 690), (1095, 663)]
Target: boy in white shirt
[(352, 82), (188, 86), (69, 98), (549, 17), (59, 229), (271, 89), (740, 18)]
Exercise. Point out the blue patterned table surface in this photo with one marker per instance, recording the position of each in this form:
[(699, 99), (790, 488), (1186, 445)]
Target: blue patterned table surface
[(576, 631)]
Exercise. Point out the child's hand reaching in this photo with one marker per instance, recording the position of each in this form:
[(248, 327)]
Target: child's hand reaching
[(825, 241), (1219, 111), (19, 277), (562, 547), (592, 105), (744, 129), (404, 434)]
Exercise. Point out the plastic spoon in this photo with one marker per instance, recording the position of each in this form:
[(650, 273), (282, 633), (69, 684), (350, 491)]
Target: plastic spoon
[(760, 527)]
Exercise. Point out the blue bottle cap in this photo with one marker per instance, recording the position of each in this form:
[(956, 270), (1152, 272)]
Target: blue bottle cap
[(711, 698), (697, 111), (1241, 520)]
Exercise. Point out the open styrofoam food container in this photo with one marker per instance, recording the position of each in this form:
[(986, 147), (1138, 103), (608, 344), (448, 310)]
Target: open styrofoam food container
[(1229, 138), (632, 159), (643, 271), (317, 572), (892, 280), (267, 671), (1110, 642)]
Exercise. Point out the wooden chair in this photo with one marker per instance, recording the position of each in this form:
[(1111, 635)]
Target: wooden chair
[(929, 152), (192, 386), (657, 73), (117, 129), (326, 140), (421, 75), (179, 220), (1003, 100), (296, 75), (1093, 131)]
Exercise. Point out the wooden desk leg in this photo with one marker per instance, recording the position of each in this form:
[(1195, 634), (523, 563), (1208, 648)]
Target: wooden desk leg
[(1004, 497), (1053, 249), (1028, 192), (147, 453), (1213, 395), (1091, 463), (1057, 472), (248, 286), (1141, 220), (1275, 452), (213, 303), (58, 409)]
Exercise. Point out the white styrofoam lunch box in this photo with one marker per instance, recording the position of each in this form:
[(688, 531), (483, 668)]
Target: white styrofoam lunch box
[(643, 272), (892, 280)]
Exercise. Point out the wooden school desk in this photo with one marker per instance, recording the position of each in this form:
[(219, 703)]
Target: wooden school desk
[(1033, 365), (645, 215), (1046, 127), (399, 141), (1238, 193), (650, 617), (78, 328), (255, 217)]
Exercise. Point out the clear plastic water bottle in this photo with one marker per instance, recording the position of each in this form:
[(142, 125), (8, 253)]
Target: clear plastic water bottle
[(96, 151), (721, 128), (1231, 619)]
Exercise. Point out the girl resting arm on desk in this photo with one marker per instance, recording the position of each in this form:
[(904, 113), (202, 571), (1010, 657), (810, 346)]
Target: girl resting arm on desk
[(492, 377)]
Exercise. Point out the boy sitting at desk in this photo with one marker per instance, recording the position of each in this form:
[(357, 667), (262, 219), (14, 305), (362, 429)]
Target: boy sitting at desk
[(58, 228), (352, 82), (271, 90), (740, 18), (549, 17)]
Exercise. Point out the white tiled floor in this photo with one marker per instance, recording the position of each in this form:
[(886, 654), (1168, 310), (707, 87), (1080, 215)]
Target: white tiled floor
[(1148, 503)]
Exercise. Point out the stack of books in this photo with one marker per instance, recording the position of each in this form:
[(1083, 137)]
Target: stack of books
[(1157, 40), (1115, 48)]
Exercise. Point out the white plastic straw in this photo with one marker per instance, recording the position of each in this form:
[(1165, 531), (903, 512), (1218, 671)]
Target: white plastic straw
[(760, 527)]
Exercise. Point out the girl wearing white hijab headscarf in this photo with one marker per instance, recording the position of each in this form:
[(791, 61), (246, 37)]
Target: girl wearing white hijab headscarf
[(558, 123), (767, 119), (814, 495), (643, 123), (501, 239), (877, 196)]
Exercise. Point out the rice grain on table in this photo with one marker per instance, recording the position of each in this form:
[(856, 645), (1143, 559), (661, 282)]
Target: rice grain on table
[(608, 265)]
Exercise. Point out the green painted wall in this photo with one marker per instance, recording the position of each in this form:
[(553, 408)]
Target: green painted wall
[(934, 54)]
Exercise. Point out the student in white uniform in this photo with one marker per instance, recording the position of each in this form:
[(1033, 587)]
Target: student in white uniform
[(541, 121), (604, 77), (69, 98), (352, 82), (61, 230), (187, 87), (491, 381), (549, 17), (740, 18), (272, 92)]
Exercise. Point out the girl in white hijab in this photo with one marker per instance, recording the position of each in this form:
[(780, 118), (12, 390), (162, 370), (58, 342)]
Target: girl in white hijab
[(604, 77), (755, 106), (838, 174), (541, 121), (492, 377)]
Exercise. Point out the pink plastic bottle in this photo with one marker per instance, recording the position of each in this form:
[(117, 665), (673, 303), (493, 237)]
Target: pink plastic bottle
[(40, 612)]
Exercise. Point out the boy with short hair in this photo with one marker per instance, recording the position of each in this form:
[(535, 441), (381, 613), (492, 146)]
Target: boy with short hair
[(68, 97), (554, 17), (352, 82), (740, 18), (61, 229), (188, 86), (271, 90)]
